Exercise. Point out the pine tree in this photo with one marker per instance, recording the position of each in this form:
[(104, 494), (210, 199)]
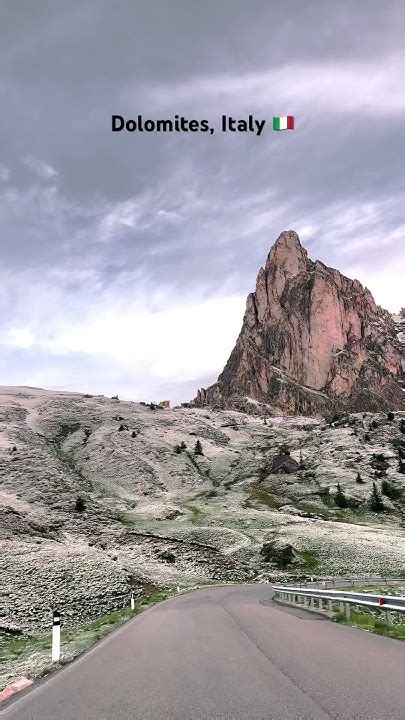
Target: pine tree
[(359, 479), (376, 503), (340, 498), (198, 448), (80, 504)]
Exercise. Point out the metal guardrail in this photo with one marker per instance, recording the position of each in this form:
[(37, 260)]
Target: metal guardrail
[(334, 583), (314, 598)]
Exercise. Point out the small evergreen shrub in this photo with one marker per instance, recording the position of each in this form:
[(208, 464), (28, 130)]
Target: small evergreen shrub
[(80, 505), (340, 498), (168, 556), (375, 502), (379, 456), (198, 448)]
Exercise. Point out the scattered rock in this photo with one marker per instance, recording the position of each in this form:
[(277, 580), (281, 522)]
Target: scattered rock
[(280, 554), (283, 463)]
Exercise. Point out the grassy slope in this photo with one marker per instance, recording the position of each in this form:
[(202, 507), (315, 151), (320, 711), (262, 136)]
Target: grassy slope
[(373, 620)]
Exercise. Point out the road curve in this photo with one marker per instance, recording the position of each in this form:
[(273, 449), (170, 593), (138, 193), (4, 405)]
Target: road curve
[(226, 653)]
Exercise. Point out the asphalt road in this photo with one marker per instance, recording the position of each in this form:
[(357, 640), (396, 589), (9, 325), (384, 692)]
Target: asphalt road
[(221, 653)]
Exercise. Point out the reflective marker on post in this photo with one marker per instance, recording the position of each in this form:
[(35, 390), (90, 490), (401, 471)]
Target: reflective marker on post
[(56, 636)]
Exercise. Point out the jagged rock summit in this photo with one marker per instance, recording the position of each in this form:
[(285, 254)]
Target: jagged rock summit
[(312, 340)]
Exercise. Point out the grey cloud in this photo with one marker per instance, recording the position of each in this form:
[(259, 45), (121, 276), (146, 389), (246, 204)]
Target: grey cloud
[(88, 215), (40, 168)]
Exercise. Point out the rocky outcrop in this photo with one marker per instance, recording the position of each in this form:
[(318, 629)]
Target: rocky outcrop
[(312, 340), (283, 464)]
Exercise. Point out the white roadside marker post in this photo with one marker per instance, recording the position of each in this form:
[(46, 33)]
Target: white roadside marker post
[(132, 601), (56, 636)]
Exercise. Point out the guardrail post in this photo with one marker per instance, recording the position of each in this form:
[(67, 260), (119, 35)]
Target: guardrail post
[(341, 607), (330, 606), (56, 636), (347, 610), (320, 603)]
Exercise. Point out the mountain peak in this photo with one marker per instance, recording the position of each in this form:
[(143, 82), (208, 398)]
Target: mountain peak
[(311, 340), (289, 239), (287, 255)]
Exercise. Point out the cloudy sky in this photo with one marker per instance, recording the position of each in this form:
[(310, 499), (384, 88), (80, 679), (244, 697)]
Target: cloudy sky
[(126, 258)]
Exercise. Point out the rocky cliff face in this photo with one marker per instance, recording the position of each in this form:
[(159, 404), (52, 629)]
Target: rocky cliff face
[(312, 340)]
